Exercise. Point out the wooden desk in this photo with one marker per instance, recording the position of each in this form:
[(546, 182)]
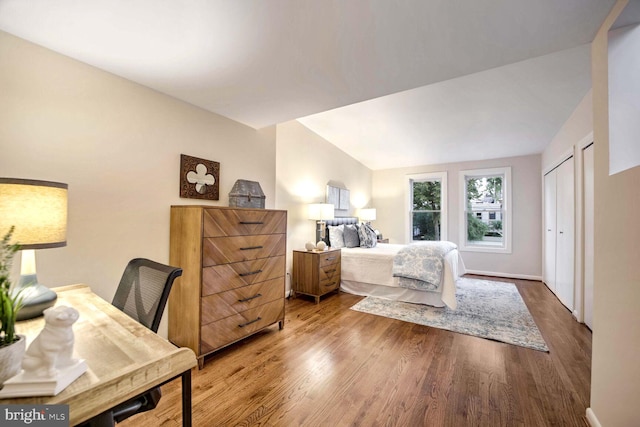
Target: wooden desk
[(124, 358)]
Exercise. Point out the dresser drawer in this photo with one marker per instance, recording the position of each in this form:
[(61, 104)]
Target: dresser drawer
[(224, 277), (329, 272), (224, 250), (225, 304), (232, 328), (243, 222), (329, 258), (328, 284)]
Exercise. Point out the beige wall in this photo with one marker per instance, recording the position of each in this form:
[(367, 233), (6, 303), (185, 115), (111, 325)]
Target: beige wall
[(304, 164), (615, 376), (577, 127), (389, 187), (117, 144)]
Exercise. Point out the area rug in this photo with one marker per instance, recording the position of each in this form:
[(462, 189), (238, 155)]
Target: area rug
[(486, 309)]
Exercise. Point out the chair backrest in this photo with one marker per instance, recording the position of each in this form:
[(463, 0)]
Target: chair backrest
[(144, 289)]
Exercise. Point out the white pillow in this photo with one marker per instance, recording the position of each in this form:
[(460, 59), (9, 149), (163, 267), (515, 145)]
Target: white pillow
[(336, 238)]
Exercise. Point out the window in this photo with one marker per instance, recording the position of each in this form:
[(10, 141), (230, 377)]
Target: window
[(485, 211), (427, 195)]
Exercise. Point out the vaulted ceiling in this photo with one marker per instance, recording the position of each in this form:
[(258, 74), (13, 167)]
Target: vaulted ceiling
[(435, 80)]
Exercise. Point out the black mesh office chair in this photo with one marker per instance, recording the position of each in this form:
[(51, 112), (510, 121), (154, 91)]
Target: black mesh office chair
[(144, 289), (142, 294)]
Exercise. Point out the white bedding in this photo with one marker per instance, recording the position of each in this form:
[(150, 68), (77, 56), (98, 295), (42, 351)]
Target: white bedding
[(368, 271)]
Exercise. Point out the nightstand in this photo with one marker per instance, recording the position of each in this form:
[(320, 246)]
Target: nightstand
[(315, 273)]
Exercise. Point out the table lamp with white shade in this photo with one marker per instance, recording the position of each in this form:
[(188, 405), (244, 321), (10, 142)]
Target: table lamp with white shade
[(321, 212), (367, 215), (38, 212)]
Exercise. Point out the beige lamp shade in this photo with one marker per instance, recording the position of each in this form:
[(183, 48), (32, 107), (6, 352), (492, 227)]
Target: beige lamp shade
[(368, 214), (37, 210), (321, 211)]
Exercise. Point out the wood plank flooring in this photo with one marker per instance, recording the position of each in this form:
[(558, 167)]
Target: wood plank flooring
[(332, 366)]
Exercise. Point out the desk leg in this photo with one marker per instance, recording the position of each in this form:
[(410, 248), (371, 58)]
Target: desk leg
[(186, 398)]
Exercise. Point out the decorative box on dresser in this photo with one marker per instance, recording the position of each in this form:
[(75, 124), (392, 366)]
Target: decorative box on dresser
[(233, 280), (316, 273)]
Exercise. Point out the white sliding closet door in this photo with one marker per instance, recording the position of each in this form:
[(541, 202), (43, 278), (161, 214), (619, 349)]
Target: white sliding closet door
[(565, 249), (550, 230), (588, 235)]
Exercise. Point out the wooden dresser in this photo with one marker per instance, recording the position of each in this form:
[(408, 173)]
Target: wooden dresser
[(316, 273), (233, 280)]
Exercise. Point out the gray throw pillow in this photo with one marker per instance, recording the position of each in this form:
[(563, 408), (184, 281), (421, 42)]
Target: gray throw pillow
[(351, 239)]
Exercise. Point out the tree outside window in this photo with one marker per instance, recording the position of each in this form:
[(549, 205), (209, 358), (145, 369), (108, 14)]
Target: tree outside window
[(426, 210), (486, 209), (427, 193)]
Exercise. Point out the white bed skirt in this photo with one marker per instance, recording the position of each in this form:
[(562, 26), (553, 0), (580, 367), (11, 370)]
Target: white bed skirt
[(368, 272), (388, 292)]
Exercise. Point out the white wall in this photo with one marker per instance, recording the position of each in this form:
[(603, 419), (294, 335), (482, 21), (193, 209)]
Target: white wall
[(575, 129), (389, 187), (624, 98), (615, 373), (117, 144), (305, 163)]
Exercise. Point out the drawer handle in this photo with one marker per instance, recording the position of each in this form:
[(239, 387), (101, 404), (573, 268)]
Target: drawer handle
[(250, 298), (242, 325), (248, 248), (330, 258), (330, 271), (251, 222), (251, 273)]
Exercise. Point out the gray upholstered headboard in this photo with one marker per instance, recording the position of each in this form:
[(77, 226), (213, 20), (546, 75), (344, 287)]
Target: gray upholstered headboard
[(336, 221)]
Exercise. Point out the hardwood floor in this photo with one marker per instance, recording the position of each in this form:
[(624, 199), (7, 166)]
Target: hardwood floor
[(331, 366)]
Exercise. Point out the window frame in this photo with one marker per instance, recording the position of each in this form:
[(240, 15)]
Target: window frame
[(464, 244), (421, 177)]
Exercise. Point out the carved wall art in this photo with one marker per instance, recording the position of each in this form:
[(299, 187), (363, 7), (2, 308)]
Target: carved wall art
[(199, 178)]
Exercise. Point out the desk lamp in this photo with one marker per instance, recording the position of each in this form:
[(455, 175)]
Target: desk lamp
[(38, 211)]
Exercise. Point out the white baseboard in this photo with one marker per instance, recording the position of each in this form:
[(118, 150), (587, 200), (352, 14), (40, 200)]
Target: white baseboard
[(593, 420), (505, 275)]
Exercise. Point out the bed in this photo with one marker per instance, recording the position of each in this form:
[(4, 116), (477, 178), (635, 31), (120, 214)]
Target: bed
[(369, 272)]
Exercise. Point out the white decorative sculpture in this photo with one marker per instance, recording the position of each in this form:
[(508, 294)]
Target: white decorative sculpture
[(310, 246), (48, 366), (321, 245), (53, 347)]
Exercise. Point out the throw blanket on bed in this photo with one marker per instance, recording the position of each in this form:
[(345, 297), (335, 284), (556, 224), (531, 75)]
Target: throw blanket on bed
[(420, 266)]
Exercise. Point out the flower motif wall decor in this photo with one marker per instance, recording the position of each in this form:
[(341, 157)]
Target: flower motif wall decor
[(199, 178)]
